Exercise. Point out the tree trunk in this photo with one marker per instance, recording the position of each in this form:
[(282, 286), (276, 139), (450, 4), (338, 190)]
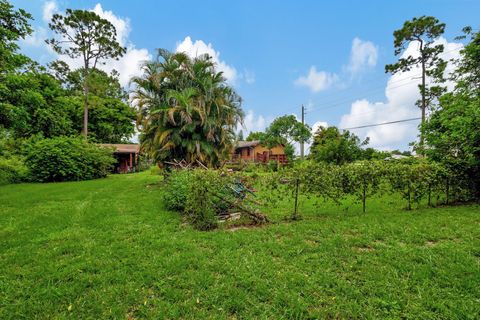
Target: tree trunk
[(424, 102), (85, 104), (364, 197)]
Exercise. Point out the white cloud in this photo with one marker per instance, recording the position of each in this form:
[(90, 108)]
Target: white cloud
[(49, 9), (317, 81), (122, 25), (401, 93), (364, 54), (248, 76), (37, 38), (198, 48), (253, 122), (317, 125), (128, 65)]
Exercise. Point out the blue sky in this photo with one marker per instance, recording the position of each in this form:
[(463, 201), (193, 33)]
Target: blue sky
[(327, 55)]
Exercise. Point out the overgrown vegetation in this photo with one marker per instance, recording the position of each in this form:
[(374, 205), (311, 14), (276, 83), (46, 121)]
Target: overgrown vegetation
[(187, 111), (67, 159)]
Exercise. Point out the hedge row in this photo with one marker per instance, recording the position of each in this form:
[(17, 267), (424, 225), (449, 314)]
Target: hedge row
[(414, 180)]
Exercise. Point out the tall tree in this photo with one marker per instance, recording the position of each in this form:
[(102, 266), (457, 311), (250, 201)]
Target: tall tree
[(185, 109), (332, 146), (111, 118), (14, 25), (452, 133), (83, 34), (286, 130), (424, 31)]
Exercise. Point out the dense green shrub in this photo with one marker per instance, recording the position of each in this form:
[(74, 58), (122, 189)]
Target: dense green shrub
[(177, 186), (67, 159), (202, 203), (203, 195), (12, 170)]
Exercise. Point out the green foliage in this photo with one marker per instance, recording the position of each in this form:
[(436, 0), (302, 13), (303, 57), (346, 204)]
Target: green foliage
[(12, 170), (186, 109), (84, 34), (176, 190), (256, 135), (192, 192), (467, 71), (202, 203), (331, 146), (34, 103), (14, 25), (67, 159), (363, 179), (285, 131), (452, 132), (413, 179), (424, 31)]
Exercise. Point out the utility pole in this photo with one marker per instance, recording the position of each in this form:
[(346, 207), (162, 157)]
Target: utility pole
[(302, 142)]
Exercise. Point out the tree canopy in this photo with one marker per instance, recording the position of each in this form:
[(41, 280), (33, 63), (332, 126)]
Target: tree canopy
[(186, 110), (332, 146), (14, 25), (423, 30), (83, 34)]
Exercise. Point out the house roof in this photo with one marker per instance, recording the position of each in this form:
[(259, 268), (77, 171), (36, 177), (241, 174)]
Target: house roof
[(246, 144), (123, 148)]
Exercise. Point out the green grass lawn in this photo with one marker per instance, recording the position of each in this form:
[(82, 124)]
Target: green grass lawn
[(108, 249)]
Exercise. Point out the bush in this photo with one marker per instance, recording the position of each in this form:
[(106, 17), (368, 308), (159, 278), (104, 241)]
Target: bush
[(67, 159), (204, 195), (201, 204), (12, 170), (175, 194)]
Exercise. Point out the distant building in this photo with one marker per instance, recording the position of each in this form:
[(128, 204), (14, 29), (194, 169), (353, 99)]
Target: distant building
[(126, 155), (255, 152)]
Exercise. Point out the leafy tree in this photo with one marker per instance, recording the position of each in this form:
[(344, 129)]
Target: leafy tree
[(331, 146), (34, 103), (185, 109), (255, 135), (83, 34), (424, 30), (285, 130), (111, 118), (467, 72), (452, 132), (14, 25)]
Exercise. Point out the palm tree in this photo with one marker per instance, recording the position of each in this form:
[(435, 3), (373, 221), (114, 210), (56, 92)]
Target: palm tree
[(185, 109)]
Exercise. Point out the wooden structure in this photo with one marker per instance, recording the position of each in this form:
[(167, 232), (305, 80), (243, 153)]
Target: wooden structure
[(253, 151), (126, 155)]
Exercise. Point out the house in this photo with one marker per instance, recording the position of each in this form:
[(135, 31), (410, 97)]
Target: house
[(126, 155), (254, 151)]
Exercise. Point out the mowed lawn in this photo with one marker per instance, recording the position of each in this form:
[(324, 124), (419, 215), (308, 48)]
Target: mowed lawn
[(108, 249)]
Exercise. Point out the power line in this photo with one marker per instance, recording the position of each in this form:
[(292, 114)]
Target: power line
[(381, 124), (371, 90)]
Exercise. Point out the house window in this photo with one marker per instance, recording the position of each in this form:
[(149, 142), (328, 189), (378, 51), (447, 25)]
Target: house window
[(248, 152)]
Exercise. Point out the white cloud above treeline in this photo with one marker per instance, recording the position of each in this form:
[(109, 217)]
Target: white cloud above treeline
[(129, 65), (199, 47), (317, 81), (363, 56), (401, 94)]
